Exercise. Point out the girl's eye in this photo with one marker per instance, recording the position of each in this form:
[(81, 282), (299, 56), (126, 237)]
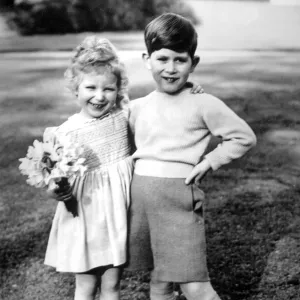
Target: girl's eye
[(109, 89), (90, 87)]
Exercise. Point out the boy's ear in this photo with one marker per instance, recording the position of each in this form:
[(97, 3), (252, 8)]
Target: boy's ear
[(195, 62), (146, 58)]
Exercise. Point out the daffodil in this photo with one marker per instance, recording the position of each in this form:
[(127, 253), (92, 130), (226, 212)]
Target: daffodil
[(46, 163)]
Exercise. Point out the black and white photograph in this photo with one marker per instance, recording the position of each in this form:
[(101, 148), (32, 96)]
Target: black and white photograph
[(150, 150)]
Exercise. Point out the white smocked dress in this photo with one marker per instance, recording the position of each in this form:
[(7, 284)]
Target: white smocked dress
[(97, 237)]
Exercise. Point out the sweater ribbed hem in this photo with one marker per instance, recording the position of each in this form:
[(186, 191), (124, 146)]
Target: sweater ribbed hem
[(156, 168)]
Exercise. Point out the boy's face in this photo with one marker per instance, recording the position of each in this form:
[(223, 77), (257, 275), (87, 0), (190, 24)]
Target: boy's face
[(170, 69)]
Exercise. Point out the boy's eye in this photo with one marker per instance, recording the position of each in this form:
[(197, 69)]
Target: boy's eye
[(110, 89), (90, 87), (181, 60), (162, 59)]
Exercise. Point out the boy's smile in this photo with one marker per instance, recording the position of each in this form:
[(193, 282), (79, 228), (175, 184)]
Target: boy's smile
[(97, 94), (170, 69)]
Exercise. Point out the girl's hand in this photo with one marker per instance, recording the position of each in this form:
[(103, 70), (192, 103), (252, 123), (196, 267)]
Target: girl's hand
[(61, 194), (195, 88), (198, 173)]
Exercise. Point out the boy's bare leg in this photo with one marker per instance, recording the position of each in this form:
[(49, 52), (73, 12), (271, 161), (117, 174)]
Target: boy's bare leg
[(199, 291), (161, 291), (110, 284)]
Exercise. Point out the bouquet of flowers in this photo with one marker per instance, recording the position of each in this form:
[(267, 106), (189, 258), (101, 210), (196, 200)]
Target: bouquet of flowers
[(54, 164)]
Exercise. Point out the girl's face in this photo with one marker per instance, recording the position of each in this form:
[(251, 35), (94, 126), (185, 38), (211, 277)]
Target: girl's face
[(97, 94)]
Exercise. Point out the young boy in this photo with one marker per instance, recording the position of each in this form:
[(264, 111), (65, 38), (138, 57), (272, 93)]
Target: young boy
[(172, 129)]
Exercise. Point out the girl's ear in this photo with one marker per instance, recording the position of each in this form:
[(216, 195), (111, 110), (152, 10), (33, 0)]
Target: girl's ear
[(195, 62), (146, 59)]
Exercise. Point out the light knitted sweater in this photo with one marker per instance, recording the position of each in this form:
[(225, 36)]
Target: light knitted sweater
[(172, 132)]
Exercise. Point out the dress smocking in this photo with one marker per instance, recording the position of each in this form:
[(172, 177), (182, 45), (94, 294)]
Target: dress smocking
[(97, 237)]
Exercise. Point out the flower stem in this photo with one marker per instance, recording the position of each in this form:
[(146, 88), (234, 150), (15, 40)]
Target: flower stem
[(71, 204)]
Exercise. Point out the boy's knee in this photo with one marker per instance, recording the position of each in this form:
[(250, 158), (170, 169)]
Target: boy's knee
[(161, 291), (199, 291)]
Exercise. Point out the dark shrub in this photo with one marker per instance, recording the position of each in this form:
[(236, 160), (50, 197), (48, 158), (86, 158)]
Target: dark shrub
[(6, 3), (45, 16), (41, 17)]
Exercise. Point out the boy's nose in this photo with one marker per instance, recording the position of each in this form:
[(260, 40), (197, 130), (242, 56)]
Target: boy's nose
[(170, 67)]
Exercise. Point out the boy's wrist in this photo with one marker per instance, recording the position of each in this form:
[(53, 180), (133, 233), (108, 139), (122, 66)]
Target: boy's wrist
[(213, 162), (206, 164)]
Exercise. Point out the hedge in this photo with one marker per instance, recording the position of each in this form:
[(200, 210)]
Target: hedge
[(63, 16)]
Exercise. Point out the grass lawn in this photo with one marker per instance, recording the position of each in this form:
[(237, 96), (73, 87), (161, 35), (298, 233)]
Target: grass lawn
[(253, 208)]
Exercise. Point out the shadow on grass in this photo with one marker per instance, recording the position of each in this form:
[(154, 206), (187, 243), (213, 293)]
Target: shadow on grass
[(241, 235), (24, 245)]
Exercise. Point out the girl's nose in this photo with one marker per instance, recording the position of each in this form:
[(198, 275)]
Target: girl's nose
[(99, 95)]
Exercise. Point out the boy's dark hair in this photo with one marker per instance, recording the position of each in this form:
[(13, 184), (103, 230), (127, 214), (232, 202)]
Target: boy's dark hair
[(171, 31)]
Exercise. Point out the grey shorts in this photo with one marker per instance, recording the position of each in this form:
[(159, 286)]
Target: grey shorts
[(167, 230)]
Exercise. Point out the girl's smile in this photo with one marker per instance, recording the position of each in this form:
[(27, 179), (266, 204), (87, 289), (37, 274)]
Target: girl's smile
[(97, 94)]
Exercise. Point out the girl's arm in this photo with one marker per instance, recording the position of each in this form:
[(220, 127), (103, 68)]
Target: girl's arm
[(59, 194), (131, 140), (195, 88)]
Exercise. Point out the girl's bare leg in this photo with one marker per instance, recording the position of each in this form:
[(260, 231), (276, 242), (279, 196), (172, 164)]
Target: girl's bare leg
[(199, 291), (110, 284), (86, 286)]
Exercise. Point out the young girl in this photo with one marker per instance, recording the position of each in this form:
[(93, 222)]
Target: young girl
[(93, 244)]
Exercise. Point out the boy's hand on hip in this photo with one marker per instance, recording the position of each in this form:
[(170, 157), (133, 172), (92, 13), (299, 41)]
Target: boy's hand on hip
[(198, 172)]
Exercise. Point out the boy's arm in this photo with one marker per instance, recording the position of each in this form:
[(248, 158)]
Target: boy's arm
[(237, 136)]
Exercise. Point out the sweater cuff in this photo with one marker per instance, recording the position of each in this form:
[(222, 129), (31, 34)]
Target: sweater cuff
[(214, 162)]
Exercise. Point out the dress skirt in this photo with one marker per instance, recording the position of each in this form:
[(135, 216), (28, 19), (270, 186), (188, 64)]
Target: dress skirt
[(167, 229), (97, 237)]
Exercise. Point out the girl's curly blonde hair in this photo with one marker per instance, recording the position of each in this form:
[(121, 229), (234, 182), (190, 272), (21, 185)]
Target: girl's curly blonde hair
[(99, 56)]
